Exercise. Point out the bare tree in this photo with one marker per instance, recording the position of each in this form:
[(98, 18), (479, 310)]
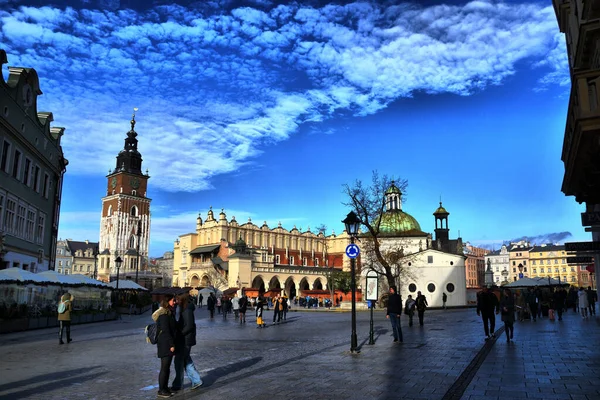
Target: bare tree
[(217, 279), (368, 202)]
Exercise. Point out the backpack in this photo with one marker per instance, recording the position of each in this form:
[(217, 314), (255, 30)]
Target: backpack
[(62, 307), (152, 333)]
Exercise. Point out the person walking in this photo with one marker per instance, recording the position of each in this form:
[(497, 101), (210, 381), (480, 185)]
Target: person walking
[(200, 299), (421, 307), (259, 312), (210, 305), (487, 303), (235, 304), (219, 304), (284, 307), (559, 296), (186, 334), (592, 297), (583, 302), (532, 303), (444, 299), (243, 308), (277, 309), (521, 305), (165, 346), (394, 310), (409, 309), (64, 318), (507, 313)]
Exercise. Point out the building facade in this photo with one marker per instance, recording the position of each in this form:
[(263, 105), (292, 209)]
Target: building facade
[(125, 216), (499, 260), (519, 261), (578, 20), (32, 166), (74, 257), (549, 260), (292, 261), (163, 266), (475, 265)]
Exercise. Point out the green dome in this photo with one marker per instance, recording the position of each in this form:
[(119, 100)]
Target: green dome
[(398, 222)]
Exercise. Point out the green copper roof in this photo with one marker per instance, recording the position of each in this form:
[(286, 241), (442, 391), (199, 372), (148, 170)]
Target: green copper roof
[(393, 189), (397, 221)]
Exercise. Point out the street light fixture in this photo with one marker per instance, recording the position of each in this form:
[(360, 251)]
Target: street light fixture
[(118, 263), (139, 235), (352, 223)]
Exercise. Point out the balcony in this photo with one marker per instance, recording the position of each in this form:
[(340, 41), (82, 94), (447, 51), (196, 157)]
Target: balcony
[(200, 265), (581, 145)]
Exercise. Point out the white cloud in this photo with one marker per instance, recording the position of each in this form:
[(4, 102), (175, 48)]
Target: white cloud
[(214, 89)]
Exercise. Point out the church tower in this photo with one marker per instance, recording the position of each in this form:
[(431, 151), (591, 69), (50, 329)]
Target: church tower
[(442, 232), (125, 220)]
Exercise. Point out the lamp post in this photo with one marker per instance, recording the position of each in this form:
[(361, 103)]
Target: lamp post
[(118, 263), (139, 235), (95, 262), (520, 270), (352, 223)]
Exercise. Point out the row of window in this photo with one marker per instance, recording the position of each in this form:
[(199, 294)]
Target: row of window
[(20, 219), (563, 279), (412, 288), (23, 169)]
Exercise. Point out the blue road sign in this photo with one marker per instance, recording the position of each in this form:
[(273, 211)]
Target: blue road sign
[(352, 251), (521, 275)]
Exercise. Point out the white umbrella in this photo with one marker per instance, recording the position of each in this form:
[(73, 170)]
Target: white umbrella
[(55, 277), (126, 284), (18, 274), (80, 278)]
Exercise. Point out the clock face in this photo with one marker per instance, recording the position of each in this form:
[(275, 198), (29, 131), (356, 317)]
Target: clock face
[(135, 183), (113, 182)]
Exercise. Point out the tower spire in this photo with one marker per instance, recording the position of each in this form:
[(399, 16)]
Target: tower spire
[(133, 119)]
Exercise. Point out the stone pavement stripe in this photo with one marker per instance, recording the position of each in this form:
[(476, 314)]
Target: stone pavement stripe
[(462, 382)]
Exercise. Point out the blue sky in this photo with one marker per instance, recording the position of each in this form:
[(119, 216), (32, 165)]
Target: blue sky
[(267, 109)]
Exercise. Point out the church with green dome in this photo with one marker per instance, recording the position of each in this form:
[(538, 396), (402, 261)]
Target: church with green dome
[(431, 265)]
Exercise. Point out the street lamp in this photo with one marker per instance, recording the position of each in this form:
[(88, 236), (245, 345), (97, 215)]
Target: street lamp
[(139, 235), (352, 223), (118, 263), (95, 253)]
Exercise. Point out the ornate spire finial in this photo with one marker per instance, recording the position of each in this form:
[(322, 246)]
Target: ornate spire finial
[(133, 118)]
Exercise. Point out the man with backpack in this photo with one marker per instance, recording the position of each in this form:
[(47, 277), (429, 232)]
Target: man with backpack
[(64, 317)]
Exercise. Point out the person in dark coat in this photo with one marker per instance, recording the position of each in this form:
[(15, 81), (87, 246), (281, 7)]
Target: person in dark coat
[(200, 299), (421, 306), (243, 308), (167, 331), (532, 303), (507, 312), (487, 303), (394, 310), (210, 304), (186, 327), (559, 296)]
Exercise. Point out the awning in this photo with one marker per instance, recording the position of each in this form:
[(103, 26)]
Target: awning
[(205, 249)]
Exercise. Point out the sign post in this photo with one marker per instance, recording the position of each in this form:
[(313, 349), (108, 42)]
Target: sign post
[(372, 295)]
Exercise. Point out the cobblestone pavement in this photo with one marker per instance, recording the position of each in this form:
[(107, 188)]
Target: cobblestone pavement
[(307, 357)]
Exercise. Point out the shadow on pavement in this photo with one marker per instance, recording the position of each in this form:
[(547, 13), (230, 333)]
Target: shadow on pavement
[(214, 375), (57, 380)]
